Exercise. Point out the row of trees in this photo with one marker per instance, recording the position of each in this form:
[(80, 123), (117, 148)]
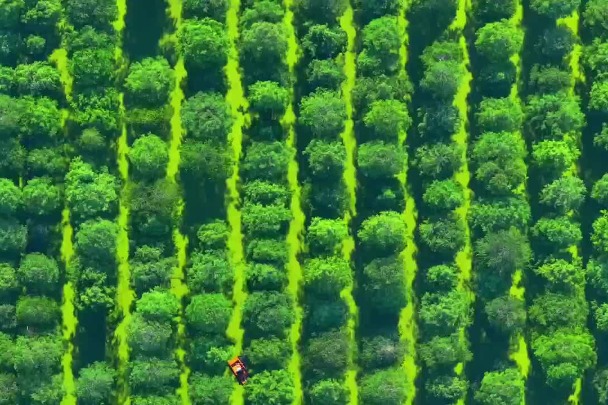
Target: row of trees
[(595, 34), (33, 166), (553, 122), (444, 311), (384, 238), (328, 334), (500, 213)]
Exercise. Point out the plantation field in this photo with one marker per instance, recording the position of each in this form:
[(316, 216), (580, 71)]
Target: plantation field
[(378, 202)]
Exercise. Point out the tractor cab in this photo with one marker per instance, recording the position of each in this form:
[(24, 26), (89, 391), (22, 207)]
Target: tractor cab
[(239, 369)]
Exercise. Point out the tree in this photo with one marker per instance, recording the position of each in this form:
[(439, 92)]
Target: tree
[(556, 43), (264, 10), (444, 351), (38, 273), (328, 391), (553, 311), (443, 235), (564, 356), (90, 194), (149, 82), (44, 14), (564, 194), (41, 197), (99, 111), (95, 384), (268, 251), (503, 252), (442, 80), (209, 272), (497, 41), (149, 156), (442, 278), (554, 115), (600, 384), (562, 275), (266, 161), (93, 68), (260, 220), (37, 79), (327, 277), (326, 355), (491, 10), (387, 120), (267, 313), (36, 358), (266, 193), (38, 312), (326, 73), (46, 162), (383, 233), (205, 390), (549, 79), (158, 305), (498, 214), (598, 97), (208, 313), (268, 354), (380, 87), (554, 157), (554, 9), (325, 236), (96, 242), (265, 277), (381, 44), (11, 12), (153, 376), (269, 99), (206, 116), (381, 352), (8, 282), (13, 237), (215, 9), (152, 207), (156, 400), (149, 269), (595, 18), (501, 387), (40, 119), (599, 237), (328, 11), (10, 197), (559, 233), (323, 114), (12, 157), (439, 160), (148, 339), (600, 191), (324, 42), (209, 353), (263, 44), (95, 13), (205, 162), (383, 387), (443, 195), (384, 279), (203, 43), (447, 388), (10, 390), (270, 387), (213, 235), (326, 159), (49, 391), (507, 314), (442, 314)]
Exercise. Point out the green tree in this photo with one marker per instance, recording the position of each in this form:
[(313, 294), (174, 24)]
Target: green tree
[(387, 120), (150, 269), (326, 159), (556, 43), (562, 275), (209, 272), (38, 312), (149, 156), (148, 339), (37, 79), (323, 315), (491, 10), (96, 242), (268, 98), (600, 191), (384, 279), (554, 115), (564, 194), (497, 41), (326, 355), (266, 193), (265, 277), (8, 282), (443, 235), (12, 157), (442, 314), (38, 273), (266, 161), (205, 390), (11, 197), (263, 44), (383, 387), (328, 391), (442, 79), (501, 387), (598, 97), (326, 10), (496, 214), (37, 358), (447, 388), (383, 233), (96, 384), (444, 351), (325, 236), (46, 162), (206, 116), (263, 10), (553, 311), (326, 277), (442, 278), (10, 390), (13, 237), (267, 251), (153, 376), (381, 352), (158, 305), (600, 384), (90, 194), (44, 14), (40, 119), (156, 400), (213, 235), (439, 160), (41, 197), (324, 42), (379, 160), (549, 79), (381, 44), (260, 220), (204, 161), (49, 391), (326, 73), (506, 314), (98, 14), (215, 9), (93, 68), (564, 356), (323, 114), (443, 195), (208, 313), (560, 233), (149, 82), (99, 111), (268, 354), (11, 11), (267, 313), (152, 207), (595, 18), (203, 43), (555, 8), (554, 157), (270, 387)]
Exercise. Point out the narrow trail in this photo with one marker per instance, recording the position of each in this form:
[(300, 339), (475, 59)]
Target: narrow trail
[(68, 312), (124, 293), (350, 179), (407, 321), (296, 225), (576, 77), (238, 106), (463, 176), (519, 347), (180, 241)]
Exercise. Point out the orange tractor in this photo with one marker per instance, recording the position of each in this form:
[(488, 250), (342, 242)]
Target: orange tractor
[(238, 366)]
